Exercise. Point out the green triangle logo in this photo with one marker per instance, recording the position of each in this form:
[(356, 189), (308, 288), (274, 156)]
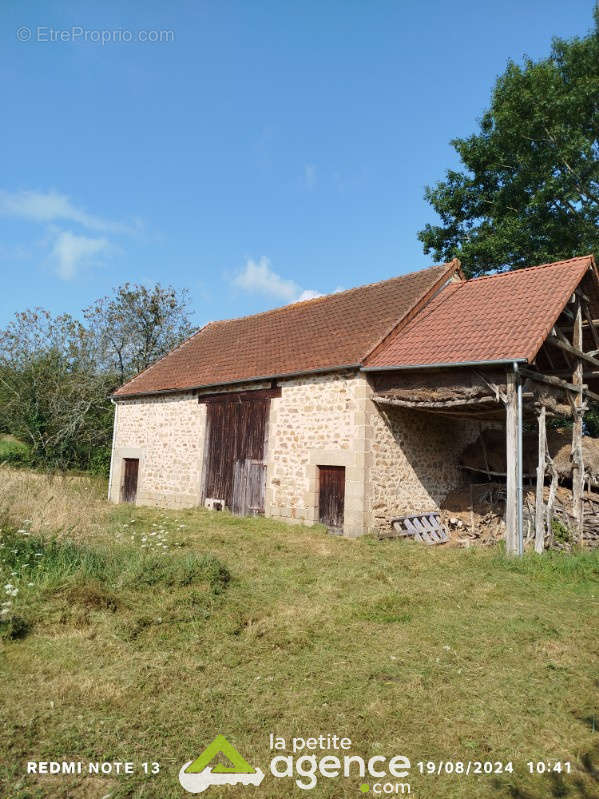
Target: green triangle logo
[(221, 746)]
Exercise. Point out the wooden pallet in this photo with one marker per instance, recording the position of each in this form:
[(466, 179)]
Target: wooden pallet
[(426, 528)]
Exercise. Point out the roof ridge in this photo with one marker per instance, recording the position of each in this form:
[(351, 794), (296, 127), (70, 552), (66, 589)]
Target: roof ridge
[(508, 272), (452, 268), (491, 323), (313, 300), (445, 292)]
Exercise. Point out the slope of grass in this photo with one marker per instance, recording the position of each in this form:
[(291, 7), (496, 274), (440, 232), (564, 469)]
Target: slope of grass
[(12, 450), (138, 647)]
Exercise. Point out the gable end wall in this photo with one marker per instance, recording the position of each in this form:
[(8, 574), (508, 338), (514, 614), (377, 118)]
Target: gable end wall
[(166, 433)]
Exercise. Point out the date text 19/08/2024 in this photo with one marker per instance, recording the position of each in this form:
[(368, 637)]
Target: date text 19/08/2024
[(439, 767)]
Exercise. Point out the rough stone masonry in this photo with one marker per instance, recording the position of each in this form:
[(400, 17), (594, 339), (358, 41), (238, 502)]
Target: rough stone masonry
[(396, 461)]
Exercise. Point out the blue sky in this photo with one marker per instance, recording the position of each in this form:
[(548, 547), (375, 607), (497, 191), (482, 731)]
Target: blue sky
[(264, 150)]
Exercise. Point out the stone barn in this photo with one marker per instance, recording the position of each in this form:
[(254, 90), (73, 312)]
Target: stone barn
[(354, 408)]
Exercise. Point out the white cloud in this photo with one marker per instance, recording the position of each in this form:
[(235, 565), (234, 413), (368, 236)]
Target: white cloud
[(309, 294), (258, 278), (71, 252), (52, 206), (309, 176)]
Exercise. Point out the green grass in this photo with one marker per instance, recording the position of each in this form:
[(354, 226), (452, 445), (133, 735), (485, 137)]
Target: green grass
[(143, 647), (12, 450)]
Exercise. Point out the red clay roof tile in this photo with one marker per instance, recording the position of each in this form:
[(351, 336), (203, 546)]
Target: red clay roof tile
[(326, 332), (496, 317)]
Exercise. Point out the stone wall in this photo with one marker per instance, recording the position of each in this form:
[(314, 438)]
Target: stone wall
[(317, 421), (414, 458), (166, 433), (397, 461)]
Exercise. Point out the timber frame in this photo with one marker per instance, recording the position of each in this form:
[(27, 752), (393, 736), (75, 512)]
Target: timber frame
[(560, 380)]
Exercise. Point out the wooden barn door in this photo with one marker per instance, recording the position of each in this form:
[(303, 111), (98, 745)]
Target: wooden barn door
[(331, 497), (235, 471), (249, 482), (131, 470)]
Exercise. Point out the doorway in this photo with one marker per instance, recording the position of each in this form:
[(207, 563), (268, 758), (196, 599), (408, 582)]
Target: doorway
[(236, 443), (129, 489), (331, 497)]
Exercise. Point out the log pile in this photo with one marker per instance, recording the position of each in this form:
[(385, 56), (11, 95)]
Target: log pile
[(475, 516), (590, 526)]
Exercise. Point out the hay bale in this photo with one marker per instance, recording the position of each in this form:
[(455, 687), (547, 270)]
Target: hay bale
[(560, 447)]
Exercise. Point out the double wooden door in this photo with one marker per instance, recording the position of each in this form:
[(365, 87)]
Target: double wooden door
[(235, 470)]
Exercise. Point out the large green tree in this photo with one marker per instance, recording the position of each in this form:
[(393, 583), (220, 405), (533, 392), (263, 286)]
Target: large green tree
[(528, 192), (57, 374), (52, 395), (137, 324)]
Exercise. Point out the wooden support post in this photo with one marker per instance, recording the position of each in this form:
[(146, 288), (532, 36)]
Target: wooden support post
[(539, 509), (551, 500), (511, 454), (591, 323), (577, 464)]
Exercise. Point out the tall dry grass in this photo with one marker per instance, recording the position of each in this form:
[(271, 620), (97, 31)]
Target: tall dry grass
[(61, 503)]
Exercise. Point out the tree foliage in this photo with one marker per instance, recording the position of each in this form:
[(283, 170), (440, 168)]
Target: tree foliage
[(51, 395), (137, 325), (57, 374), (528, 192)]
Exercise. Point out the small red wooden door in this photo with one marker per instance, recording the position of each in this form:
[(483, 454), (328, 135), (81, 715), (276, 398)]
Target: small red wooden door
[(129, 492), (331, 497)]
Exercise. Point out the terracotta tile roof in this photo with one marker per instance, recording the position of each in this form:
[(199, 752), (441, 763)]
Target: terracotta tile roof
[(327, 332), (504, 316)]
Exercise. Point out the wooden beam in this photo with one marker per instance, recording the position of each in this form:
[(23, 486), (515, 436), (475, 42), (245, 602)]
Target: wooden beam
[(240, 396), (575, 351), (585, 324), (593, 329), (431, 404), (558, 333), (539, 504), (591, 394), (484, 471), (592, 374), (577, 464), (549, 379), (580, 293), (511, 451)]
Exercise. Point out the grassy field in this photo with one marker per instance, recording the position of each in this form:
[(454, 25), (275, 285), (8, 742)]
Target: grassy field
[(139, 634)]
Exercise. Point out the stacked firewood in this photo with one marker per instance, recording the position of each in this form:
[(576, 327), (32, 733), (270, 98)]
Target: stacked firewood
[(477, 518), (485, 531), (590, 526)]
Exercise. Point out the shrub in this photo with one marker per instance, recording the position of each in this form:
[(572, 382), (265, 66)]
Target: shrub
[(560, 531), (13, 451)]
